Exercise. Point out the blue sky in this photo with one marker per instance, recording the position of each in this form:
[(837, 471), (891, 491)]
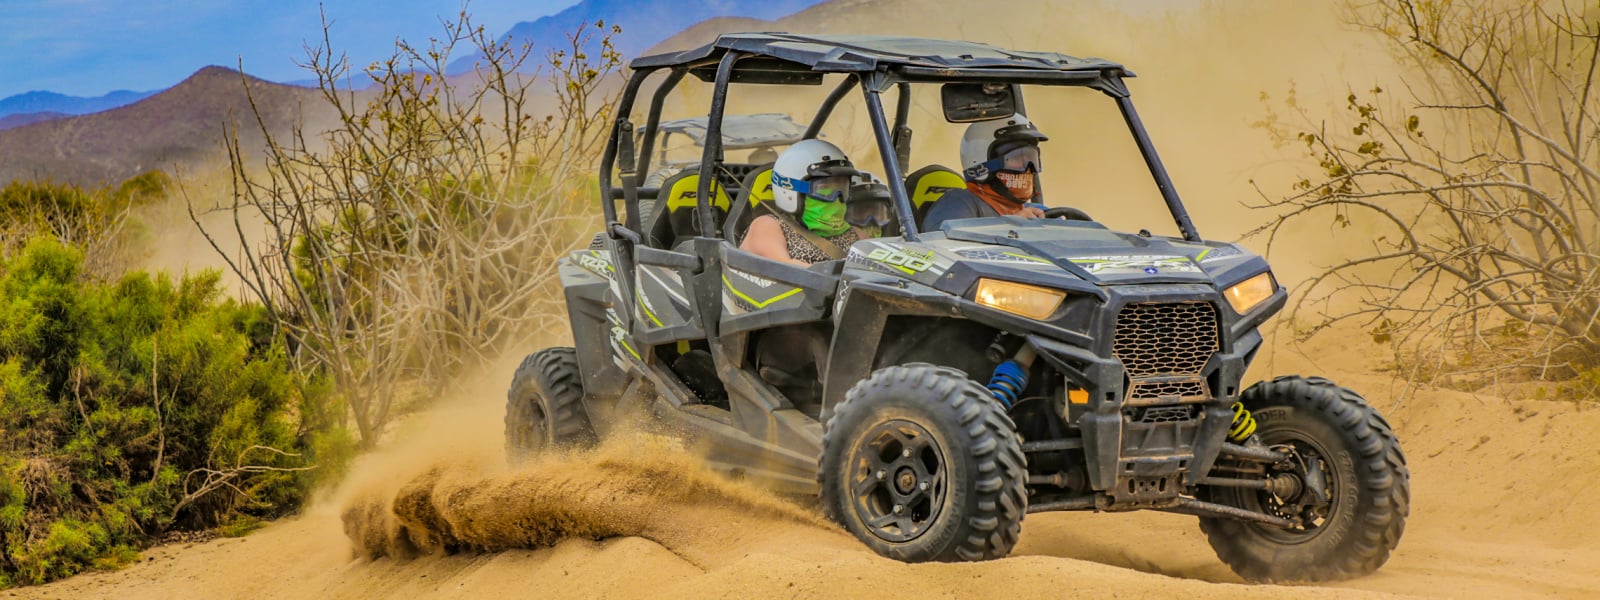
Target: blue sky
[(90, 47)]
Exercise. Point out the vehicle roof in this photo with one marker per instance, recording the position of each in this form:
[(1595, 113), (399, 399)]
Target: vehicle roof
[(742, 131), (863, 53)]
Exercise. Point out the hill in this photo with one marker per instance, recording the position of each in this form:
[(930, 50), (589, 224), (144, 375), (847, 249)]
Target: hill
[(644, 22), (35, 102), (179, 126), (20, 119)]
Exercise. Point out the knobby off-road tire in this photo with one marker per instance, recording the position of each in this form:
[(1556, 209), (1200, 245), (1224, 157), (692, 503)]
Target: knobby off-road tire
[(544, 408), (1369, 487), (935, 444)]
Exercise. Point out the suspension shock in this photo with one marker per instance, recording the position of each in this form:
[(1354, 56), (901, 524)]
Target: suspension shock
[(1011, 377), (1244, 425)]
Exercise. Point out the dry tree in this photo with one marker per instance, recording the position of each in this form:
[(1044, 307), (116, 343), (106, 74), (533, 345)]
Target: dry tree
[(417, 236), (1478, 190)]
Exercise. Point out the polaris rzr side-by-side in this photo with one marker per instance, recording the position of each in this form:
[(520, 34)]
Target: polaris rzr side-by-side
[(951, 381)]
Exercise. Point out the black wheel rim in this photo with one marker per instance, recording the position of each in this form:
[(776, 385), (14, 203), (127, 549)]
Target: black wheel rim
[(898, 480), (1311, 518), (534, 430)]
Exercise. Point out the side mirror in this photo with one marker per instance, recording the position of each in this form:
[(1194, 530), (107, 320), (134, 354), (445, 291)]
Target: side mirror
[(969, 102)]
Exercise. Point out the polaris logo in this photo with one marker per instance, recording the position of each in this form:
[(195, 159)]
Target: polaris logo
[(1150, 265)]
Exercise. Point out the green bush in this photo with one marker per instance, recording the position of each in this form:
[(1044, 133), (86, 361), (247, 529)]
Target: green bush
[(138, 406)]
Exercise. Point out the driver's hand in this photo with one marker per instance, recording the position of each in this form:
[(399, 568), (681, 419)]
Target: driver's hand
[(1031, 212)]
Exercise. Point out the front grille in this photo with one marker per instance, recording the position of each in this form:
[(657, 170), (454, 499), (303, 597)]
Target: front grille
[(1163, 347), (1165, 339)]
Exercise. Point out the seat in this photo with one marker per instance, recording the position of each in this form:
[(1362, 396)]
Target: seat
[(757, 188), (927, 185), (674, 219)]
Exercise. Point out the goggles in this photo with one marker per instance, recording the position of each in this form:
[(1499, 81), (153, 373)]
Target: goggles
[(833, 188), (868, 205), (1020, 159)]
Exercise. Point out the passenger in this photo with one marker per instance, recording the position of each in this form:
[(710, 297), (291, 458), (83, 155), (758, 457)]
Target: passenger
[(812, 218), (1001, 164)]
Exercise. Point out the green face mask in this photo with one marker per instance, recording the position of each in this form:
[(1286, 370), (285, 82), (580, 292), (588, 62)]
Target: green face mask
[(824, 218)]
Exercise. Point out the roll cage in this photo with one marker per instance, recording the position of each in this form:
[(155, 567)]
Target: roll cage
[(874, 64)]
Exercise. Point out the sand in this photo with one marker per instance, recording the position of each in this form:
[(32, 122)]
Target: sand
[(1503, 497)]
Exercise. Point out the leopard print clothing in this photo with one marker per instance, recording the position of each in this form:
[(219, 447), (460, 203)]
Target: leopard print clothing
[(802, 250)]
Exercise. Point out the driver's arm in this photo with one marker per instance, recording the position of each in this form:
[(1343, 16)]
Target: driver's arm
[(947, 208)]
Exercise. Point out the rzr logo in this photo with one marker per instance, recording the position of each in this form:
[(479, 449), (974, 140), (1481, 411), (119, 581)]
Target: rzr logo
[(688, 195), (595, 263), (937, 189)]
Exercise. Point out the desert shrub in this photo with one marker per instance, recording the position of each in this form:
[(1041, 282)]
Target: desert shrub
[(99, 221), (419, 235), (132, 407)]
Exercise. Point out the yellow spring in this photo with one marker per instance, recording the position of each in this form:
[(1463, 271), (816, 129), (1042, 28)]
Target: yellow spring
[(1243, 424)]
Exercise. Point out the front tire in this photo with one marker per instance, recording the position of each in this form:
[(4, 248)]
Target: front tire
[(922, 464), (1352, 533), (544, 407)]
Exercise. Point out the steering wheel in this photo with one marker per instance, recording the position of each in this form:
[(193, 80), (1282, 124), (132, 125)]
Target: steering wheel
[(1066, 212)]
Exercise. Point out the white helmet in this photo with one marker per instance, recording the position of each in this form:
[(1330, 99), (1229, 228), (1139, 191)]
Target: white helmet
[(979, 156), (807, 162)]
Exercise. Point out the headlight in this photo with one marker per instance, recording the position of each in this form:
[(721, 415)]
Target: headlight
[(1030, 301), (1251, 292)]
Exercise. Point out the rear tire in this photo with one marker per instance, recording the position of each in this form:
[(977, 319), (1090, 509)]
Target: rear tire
[(1369, 488), (544, 407), (922, 464)]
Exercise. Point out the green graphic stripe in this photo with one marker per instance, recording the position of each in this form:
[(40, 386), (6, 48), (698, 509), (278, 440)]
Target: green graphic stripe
[(630, 349), (908, 271), (753, 302), (642, 306)]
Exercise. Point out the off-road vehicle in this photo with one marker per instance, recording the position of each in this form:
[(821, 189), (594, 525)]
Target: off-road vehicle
[(965, 377)]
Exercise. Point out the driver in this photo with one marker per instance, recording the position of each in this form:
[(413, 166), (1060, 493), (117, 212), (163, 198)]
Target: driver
[(812, 217), (1001, 162)]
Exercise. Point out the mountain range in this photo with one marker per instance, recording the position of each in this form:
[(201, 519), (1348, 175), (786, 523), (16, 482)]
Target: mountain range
[(86, 141), (36, 102)]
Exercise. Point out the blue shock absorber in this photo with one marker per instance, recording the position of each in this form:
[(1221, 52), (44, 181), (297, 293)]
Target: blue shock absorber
[(1008, 382)]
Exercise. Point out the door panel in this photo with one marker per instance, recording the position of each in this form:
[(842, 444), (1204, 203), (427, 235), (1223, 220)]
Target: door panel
[(664, 306), (758, 293)]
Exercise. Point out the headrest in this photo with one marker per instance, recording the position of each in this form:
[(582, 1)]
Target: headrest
[(683, 193), (931, 182)]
